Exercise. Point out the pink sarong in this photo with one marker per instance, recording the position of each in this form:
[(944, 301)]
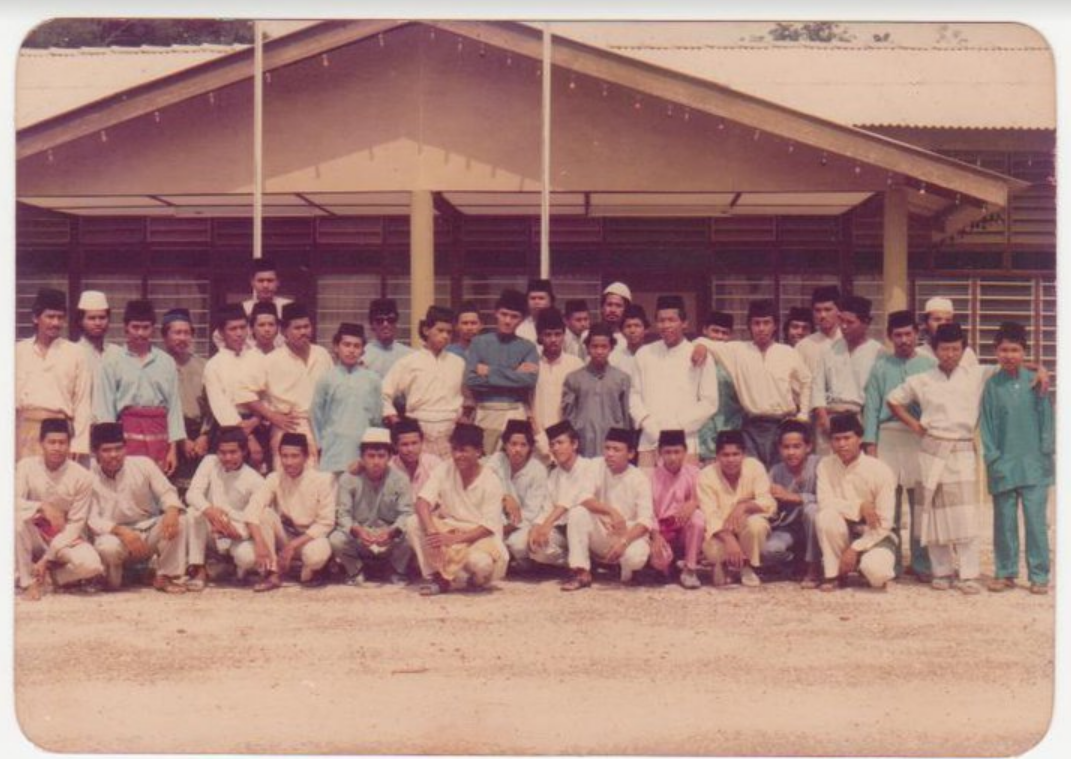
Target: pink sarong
[(145, 430)]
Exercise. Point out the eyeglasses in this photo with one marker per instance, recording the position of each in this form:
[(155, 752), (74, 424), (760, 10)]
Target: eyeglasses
[(384, 320)]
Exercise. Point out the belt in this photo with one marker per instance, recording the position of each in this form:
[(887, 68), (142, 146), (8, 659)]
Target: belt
[(950, 439), (768, 417)]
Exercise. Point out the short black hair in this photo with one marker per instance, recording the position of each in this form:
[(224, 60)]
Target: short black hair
[(794, 427), (845, 422), (730, 437)]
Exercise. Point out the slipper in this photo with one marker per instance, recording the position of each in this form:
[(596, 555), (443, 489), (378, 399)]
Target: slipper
[(165, 584), (271, 582), (431, 588), (828, 586), (1039, 590), (196, 584), (581, 579), (1000, 584)]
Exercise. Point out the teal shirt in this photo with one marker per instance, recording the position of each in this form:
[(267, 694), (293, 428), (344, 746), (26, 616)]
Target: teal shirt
[(124, 380), (344, 404), (889, 373), (729, 416), (502, 355), (1018, 433), (380, 359)]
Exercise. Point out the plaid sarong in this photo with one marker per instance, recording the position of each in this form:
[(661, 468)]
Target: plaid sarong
[(949, 511), (145, 431)]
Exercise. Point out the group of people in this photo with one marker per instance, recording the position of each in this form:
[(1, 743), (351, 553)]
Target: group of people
[(547, 440)]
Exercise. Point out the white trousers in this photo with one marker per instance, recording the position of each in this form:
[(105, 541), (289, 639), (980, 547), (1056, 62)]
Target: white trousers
[(477, 564), (314, 554), (201, 540), (171, 554), (76, 562), (942, 558), (554, 553), (877, 565), (587, 536)]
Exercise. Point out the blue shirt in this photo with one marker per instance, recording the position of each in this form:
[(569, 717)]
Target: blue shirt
[(502, 354), (380, 358), (124, 380), (528, 486), (458, 350), (1018, 436), (806, 487), (889, 373), (344, 404)]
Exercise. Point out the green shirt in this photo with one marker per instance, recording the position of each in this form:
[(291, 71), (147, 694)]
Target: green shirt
[(1018, 432)]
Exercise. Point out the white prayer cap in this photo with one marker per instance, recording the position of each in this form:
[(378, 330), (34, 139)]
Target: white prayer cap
[(376, 436), (939, 304), (93, 300), (618, 288)]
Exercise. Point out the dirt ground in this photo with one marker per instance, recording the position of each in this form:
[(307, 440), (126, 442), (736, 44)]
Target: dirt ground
[(528, 669)]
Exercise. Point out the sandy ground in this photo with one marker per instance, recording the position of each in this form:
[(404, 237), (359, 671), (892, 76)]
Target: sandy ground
[(528, 669)]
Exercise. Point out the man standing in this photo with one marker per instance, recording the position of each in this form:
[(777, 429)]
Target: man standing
[(52, 501), (217, 498), (540, 297), (799, 324), (680, 522), (595, 398), (467, 326), (52, 379), (669, 392), (264, 280), (616, 297), (346, 401), (93, 317), (940, 311), (855, 509), (374, 508), (501, 370), (734, 493), (613, 526), (291, 515), (431, 382), (176, 328), (1018, 438), (771, 381), (577, 322), (730, 416), (282, 386), (827, 319), (887, 438), (794, 485), (224, 374), (136, 513), (524, 480), (554, 366), (264, 334), (384, 350), (631, 337), (139, 388), (457, 531)]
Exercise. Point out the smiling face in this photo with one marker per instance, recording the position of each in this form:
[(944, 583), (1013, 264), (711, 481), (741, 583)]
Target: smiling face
[(671, 325), (138, 336), (349, 348), (178, 339), (49, 323), (110, 457), (292, 459), (55, 447), (563, 448), (796, 331), (466, 458)]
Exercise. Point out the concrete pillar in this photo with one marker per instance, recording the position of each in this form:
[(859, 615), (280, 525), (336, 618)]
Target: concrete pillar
[(894, 258), (421, 258)]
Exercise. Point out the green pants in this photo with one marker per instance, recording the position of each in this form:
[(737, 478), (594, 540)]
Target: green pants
[(920, 559), (1006, 533)]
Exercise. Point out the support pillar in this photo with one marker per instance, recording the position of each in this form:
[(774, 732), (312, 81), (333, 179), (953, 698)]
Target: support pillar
[(894, 250), (421, 259)]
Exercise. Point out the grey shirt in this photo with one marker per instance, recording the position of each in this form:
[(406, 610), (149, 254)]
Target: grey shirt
[(360, 502), (594, 402)]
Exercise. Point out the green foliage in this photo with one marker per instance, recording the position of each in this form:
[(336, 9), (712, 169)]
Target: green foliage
[(811, 31), (132, 32)]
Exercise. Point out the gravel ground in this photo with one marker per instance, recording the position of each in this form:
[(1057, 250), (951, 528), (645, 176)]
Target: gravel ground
[(528, 669)]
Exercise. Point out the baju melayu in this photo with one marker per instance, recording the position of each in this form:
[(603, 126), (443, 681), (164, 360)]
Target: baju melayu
[(623, 358), (628, 492), (503, 394), (426, 464), (718, 498), (811, 347), (1018, 439), (288, 507), (842, 490), (575, 346), (346, 402), (793, 527), (143, 394), (948, 518), (247, 306), (51, 384), (729, 416), (595, 401), (670, 492), (969, 360), (286, 382), (136, 498), (528, 487), (457, 507), (897, 445), (669, 393), (839, 381), (69, 490), (547, 397), (432, 386), (527, 330), (212, 485), (380, 358), (567, 489), (224, 375), (196, 414), (383, 505)]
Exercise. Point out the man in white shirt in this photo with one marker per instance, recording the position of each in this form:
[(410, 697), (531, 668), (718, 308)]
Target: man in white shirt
[(827, 320), (217, 498), (524, 480), (554, 366), (631, 337), (614, 526), (940, 311), (668, 390), (264, 281), (577, 322), (52, 379), (540, 296), (52, 502), (856, 504)]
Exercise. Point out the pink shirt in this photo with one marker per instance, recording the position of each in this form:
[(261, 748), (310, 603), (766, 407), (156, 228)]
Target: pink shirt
[(670, 491)]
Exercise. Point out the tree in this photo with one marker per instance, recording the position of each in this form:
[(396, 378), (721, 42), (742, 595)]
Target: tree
[(133, 32)]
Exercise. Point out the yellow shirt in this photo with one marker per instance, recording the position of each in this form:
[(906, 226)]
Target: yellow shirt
[(718, 498)]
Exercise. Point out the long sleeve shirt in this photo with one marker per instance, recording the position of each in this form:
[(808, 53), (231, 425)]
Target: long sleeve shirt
[(669, 491), (1018, 433), (224, 374), (345, 403), (774, 383), (528, 486), (889, 372), (811, 347), (56, 380), (284, 380), (388, 503), (593, 402), (431, 386), (547, 398), (380, 358), (629, 492), (195, 408), (478, 505), (426, 464), (308, 501), (570, 488), (841, 374), (845, 489), (805, 485), (139, 491), (669, 393), (502, 354), (125, 380), (574, 345), (949, 403), (68, 489), (718, 498), (212, 485)]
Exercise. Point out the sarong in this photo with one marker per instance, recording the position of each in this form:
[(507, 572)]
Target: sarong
[(949, 512), (28, 431), (145, 431)]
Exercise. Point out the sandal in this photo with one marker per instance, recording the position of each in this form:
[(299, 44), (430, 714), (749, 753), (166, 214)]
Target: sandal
[(434, 586), (1000, 584), (198, 582), (165, 584), (271, 582), (828, 586), (581, 579), (1039, 590)]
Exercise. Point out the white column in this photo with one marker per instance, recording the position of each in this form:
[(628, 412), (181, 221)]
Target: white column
[(421, 258), (894, 252)]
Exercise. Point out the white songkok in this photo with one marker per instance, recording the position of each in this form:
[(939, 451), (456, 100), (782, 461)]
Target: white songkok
[(939, 304), (93, 300)]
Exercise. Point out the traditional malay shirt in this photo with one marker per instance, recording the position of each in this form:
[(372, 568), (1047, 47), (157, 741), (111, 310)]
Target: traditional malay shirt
[(57, 380), (69, 489), (669, 491), (380, 358), (138, 492), (570, 488), (285, 380), (949, 403), (528, 486), (889, 372), (805, 486), (845, 488), (811, 347), (841, 374), (388, 504), (969, 360), (212, 485), (224, 374), (307, 500), (668, 392), (195, 409), (772, 384), (345, 403), (1018, 433), (595, 401), (629, 492), (547, 398), (621, 357), (479, 504), (426, 464), (527, 330), (718, 498), (125, 380), (574, 345), (502, 354), (431, 385), (247, 306)]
